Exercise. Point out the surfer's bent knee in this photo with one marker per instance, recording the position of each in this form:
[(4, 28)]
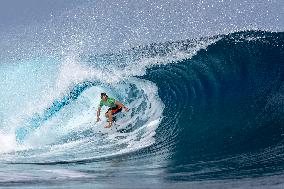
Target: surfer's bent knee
[(107, 113)]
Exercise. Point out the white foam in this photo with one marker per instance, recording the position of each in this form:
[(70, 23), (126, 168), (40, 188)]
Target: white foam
[(67, 173), (139, 137), (8, 143)]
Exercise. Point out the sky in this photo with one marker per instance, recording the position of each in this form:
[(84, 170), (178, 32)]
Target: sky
[(106, 25), (25, 12), (18, 12)]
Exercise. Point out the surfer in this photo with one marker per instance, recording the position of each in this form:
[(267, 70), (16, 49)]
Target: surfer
[(114, 108)]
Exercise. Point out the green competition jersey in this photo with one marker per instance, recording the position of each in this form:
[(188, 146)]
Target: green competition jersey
[(110, 103)]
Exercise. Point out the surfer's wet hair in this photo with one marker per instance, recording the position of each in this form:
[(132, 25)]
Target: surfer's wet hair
[(103, 94)]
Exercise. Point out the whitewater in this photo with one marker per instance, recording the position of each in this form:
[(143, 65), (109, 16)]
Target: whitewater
[(206, 108)]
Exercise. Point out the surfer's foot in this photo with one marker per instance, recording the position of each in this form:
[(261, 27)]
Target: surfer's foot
[(108, 125)]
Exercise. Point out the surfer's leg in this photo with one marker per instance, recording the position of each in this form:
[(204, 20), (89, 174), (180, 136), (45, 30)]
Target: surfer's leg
[(107, 113), (109, 116)]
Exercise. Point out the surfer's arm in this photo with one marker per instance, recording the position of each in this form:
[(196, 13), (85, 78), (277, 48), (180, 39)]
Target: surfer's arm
[(121, 105)]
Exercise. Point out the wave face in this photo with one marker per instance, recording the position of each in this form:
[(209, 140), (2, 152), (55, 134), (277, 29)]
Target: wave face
[(202, 113), (225, 106)]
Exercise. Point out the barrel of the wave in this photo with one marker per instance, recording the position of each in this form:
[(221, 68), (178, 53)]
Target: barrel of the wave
[(36, 120)]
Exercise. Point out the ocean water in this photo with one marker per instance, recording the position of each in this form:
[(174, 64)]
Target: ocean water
[(205, 112)]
